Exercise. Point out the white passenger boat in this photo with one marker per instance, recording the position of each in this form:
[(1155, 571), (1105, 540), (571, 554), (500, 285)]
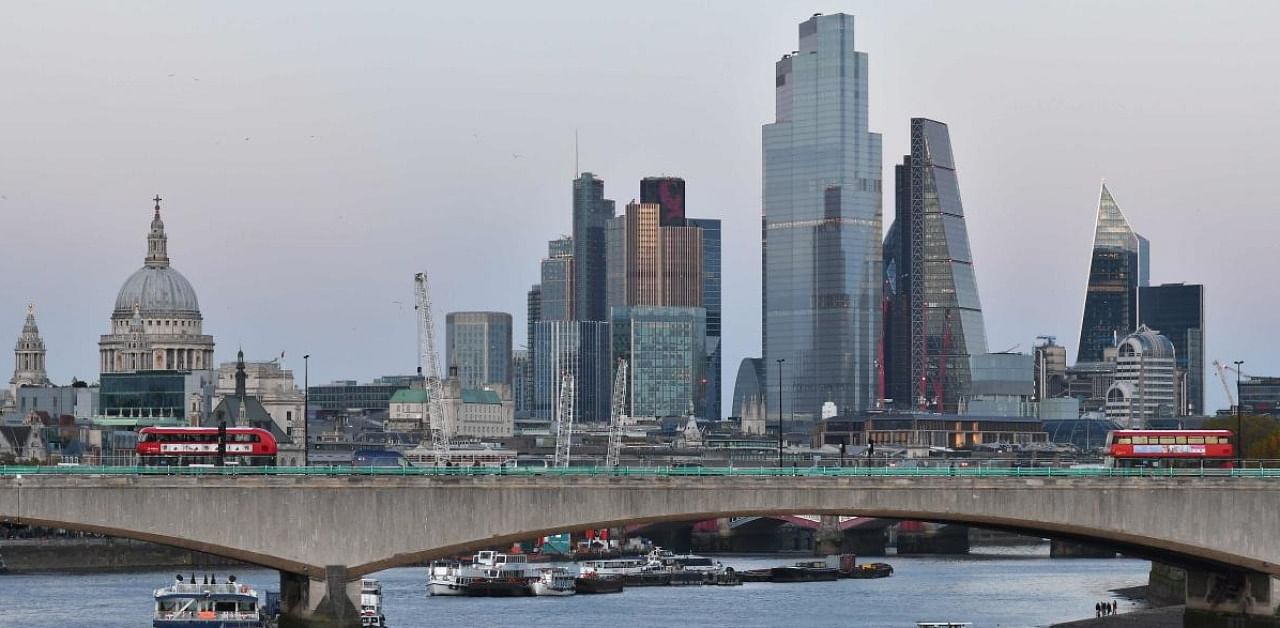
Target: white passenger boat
[(206, 604), (614, 567), (371, 604), (663, 560), (554, 582), (488, 574), (446, 577)]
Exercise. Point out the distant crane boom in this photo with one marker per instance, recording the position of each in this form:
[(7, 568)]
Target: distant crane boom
[(429, 369), (614, 454), (1222, 377), (564, 420)]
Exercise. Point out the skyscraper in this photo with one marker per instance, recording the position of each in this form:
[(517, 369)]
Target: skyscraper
[(653, 265), (1176, 311), (1118, 267), (558, 296), (582, 349), (934, 319), (822, 225), (664, 348), (478, 344), (591, 214), (711, 302), (668, 194)]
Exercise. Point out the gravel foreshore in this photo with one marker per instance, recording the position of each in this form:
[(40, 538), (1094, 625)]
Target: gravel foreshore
[(1164, 617)]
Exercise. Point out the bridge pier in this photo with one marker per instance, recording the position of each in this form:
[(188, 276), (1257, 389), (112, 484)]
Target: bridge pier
[(1232, 600), (307, 602)]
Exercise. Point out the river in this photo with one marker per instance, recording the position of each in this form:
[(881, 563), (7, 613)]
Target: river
[(993, 587)]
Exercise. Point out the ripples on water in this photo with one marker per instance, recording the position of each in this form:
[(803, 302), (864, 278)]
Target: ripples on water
[(994, 587)]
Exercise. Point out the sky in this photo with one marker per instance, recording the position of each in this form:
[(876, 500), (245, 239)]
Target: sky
[(314, 155)]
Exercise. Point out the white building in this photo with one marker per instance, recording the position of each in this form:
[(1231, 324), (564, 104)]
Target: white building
[(479, 413), (156, 323), (1144, 383), (273, 386)]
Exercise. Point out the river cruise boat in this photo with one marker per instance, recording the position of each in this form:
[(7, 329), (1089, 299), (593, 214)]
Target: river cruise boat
[(489, 574), (553, 582), (206, 604), (371, 604), (663, 560), (614, 567), (447, 577)]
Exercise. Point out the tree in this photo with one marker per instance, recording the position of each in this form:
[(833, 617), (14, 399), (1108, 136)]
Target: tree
[(1261, 434)]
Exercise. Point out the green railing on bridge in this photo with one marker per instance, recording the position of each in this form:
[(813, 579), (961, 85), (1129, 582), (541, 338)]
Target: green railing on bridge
[(862, 471)]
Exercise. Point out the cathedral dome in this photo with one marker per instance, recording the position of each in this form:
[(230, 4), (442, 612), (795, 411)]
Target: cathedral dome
[(159, 292)]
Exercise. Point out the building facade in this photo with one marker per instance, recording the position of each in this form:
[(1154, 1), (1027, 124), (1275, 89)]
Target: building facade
[(664, 350), (156, 323), (1176, 311), (478, 344), (748, 385), (1117, 268), (1003, 385), (348, 395), (1051, 369), (711, 303), (271, 385), (467, 412), (591, 215), (28, 357), (1144, 386), (580, 348), (822, 224), (1260, 395), (668, 194), (934, 321), (556, 295)]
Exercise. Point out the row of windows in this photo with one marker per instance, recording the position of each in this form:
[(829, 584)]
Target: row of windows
[(1173, 440)]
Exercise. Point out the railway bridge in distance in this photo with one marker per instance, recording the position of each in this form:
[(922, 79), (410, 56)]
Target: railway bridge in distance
[(323, 532)]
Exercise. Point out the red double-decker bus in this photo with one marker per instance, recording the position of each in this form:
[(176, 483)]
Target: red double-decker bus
[(1179, 448), (185, 446)]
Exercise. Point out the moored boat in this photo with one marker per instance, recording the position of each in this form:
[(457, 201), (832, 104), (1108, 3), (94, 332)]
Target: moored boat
[(207, 604), (591, 583), (553, 582), (870, 570), (371, 604), (805, 571)]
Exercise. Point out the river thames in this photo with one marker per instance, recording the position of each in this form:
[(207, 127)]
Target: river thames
[(992, 587)]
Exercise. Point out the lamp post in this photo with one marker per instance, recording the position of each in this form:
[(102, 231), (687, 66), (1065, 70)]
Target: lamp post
[(306, 410), (780, 361), (1239, 418)]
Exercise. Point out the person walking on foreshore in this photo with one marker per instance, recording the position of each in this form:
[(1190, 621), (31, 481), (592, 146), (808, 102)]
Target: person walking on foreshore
[(1097, 609)]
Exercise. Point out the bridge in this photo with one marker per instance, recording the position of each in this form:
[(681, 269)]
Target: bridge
[(324, 530)]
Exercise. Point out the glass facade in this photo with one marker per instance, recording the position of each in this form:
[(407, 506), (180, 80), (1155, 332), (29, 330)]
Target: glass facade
[(1176, 311), (154, 394), (1117, 269), (581, 348), (478, 344), (748, 385), (591, 214), (711, 303), (934, 322), (667, 193), (556, 298), (822, 224), (663, 347)]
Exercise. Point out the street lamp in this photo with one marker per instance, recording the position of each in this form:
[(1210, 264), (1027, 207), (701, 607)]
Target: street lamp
[(306, 410), (1239, 418), (780, 361)]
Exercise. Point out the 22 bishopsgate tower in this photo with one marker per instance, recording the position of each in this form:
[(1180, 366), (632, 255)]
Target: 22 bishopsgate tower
[(821, 226)]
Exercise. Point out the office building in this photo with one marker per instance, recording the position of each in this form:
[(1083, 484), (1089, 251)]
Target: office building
[(1051, 369), (1002, 384), (1260, 395), (466, 412), (1118, 267), (664, 348), (711, 303), (934, 320), (822, 224), (522, 383), (668, 194), (748, 386), (165, 397), (478, 345), (556, 296), (1144, 386), (580, 348), (591, 214), (1177, 311), (349, 396)]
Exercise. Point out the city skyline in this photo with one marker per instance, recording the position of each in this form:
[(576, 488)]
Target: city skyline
[(322, 274)]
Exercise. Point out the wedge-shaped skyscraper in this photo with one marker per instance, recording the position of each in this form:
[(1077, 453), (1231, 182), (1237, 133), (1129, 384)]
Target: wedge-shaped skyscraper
[(933, 314), (1118, 267)]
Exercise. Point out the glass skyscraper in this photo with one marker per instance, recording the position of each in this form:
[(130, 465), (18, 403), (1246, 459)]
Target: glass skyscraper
[(821, 226), (580, 348), (591, 214), (1118, 267), (711, 302), (478, 344), (934, 315), (663, 347), (557, 295), (1176, 311)]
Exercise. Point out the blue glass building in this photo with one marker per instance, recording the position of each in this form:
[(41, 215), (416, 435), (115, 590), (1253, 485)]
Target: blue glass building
[(1118, 267), (822, 225), (711, 302), (663, 347)]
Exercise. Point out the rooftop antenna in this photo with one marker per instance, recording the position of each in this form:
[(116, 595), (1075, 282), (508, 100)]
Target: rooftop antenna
[(575, 153)]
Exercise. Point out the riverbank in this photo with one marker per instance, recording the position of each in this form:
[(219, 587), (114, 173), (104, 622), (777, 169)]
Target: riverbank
[(101, 554), (1164, 617)]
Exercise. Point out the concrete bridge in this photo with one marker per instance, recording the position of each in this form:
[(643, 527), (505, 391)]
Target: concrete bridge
[(324, 532)]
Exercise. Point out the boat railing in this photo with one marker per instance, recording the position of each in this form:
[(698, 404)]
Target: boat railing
[(234, 615), (182, 588)]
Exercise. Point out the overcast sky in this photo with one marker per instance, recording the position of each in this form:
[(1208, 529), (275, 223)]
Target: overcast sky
[(314, 155)]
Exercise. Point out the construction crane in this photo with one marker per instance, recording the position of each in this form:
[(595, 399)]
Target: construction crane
[(429, 369), (1222, 377), (614, 455), (564, 420)]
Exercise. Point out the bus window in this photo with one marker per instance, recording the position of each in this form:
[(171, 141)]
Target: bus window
[(1180, 440), (1124, 441), (1166, 440), (1139, 440), (1195, 440)]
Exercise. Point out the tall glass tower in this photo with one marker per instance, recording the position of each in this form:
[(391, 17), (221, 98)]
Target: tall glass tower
[(591, 214), (1117, 269), (821, 227), (934, 320)]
